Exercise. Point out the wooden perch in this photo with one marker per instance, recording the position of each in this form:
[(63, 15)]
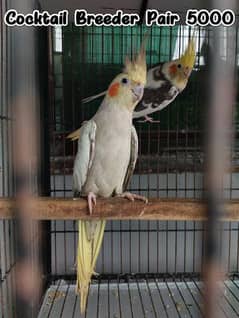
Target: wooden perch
[(118, 209)]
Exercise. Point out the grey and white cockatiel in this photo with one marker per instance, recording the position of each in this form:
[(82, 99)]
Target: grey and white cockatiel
[(164, 82), (106, 157)]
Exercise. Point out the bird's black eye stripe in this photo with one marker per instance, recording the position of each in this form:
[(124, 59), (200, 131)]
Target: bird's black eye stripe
[(179, 65), (124, 80)]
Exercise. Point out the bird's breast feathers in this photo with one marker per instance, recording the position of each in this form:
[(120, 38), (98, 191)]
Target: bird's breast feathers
[(112, 153)]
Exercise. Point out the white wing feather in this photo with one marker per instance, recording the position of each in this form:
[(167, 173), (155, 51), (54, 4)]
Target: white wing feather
[(133, 158), (85, 154)]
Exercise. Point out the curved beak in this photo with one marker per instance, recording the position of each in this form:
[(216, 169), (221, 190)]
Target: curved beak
[(138, 91), (187, 71)]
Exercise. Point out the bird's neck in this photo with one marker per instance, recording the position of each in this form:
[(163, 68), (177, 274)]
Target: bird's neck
[(119, 104)]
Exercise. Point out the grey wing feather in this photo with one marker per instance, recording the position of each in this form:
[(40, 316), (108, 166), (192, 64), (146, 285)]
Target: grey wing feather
[(155, 99), (133, 158), (85, 154)]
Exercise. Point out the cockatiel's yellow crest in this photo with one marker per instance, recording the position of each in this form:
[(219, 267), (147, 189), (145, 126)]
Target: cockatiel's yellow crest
[(137, 69), (178, 71), (188, 57), (183, 66)]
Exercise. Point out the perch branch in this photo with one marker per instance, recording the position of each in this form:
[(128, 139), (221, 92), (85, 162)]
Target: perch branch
[(119, 209)]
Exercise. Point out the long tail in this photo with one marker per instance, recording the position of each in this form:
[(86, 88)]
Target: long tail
[(90, 240)]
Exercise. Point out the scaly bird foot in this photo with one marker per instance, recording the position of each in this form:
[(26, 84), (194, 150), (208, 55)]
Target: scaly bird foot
[(91, 199), (148, 119), (132, 197)]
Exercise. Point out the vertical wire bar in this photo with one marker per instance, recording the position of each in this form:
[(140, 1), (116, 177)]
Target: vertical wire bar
[(74, 119), (176, 180), (181, 35), (233, 116), (113, 45), (193, 169), (219, 128), (206, 58), (63, 129), (11, 175), (25, 103), (53, 128), (236, 61), (44, 165), (158, 168), (148, 191), (3, 94), (141, 136), (167, 178), (4, 153), (187, 184), (121, 47), (177, 166)]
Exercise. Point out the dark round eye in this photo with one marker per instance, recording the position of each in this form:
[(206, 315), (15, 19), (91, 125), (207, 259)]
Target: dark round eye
[(157, 71), (124, 80), (179, 65)]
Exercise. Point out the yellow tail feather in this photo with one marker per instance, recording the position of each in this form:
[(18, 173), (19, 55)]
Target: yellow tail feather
[(89, 243), (74, 135)]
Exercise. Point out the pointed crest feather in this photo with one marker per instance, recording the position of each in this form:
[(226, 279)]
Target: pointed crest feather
[(189, 56), (137, 68)]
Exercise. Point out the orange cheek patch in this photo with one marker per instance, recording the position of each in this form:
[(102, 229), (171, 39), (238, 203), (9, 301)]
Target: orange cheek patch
[(173, 69), (113, 90)]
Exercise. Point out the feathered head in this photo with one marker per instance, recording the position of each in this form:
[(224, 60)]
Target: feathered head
[(137, 68), (178, 71), (134, 72), (127, 88)]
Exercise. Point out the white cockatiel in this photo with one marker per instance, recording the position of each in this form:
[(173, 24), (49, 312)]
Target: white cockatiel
[(106, 157)]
